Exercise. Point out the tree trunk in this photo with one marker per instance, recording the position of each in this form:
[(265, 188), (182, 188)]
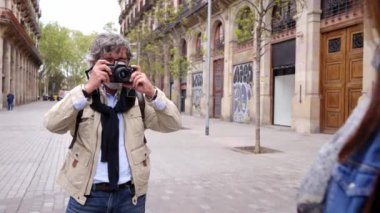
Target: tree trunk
[(257, 60), (166, 85)]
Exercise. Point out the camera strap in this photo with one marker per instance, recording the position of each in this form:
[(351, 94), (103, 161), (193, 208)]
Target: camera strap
[(141, 101)]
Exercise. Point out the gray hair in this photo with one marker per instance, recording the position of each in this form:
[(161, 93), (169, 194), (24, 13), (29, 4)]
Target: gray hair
[(105, 43)]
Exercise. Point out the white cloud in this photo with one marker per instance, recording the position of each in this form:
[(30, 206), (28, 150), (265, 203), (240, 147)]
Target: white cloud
[(86, 16)]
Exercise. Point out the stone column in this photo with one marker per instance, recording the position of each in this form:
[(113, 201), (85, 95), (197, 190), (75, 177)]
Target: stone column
[(27, 81), (306, 102), (265, 78), (13, 70), (34, 83), (7, 67), (18, 77), (2, 93), (228, 72), (23, 64)]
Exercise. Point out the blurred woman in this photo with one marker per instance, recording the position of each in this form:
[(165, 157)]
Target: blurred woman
[(345, 177)]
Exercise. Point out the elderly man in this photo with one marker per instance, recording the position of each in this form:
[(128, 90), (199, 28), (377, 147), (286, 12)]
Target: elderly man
[(107, 166)]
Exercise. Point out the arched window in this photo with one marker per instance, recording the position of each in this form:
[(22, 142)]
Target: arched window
[(219, 37), (184, 48), (198, 44), (245, 24), (332, 8), (282, 16)]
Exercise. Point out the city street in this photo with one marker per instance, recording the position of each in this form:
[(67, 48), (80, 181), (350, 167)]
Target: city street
[(191, 172)]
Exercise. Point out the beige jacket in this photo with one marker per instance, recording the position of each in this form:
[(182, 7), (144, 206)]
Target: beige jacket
[(76, 175)]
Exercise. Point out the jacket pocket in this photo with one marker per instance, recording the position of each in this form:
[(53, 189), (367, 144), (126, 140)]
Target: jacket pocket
[(141, 163), (350, 186), (76, 166), (355, 180)]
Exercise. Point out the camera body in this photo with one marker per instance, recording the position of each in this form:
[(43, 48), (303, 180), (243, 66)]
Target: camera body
[(121, 73)]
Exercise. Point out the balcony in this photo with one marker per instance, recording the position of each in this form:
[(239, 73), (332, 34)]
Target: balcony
[(338, 7), (198, 56), (219, 43), (282, 24), (147, 6), (16, 31), (243, 46), (340, 12), (282, 19), (189, 10)]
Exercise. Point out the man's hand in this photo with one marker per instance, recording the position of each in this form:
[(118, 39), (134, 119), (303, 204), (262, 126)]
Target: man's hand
[(100, 74), (140, 82)]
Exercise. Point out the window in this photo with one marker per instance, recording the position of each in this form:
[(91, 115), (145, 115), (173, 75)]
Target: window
[(219, 37), (184, 48), (198, 44), (245, 24), (282, 16)]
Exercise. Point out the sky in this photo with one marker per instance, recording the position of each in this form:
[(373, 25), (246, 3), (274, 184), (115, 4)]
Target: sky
[(86, 16)]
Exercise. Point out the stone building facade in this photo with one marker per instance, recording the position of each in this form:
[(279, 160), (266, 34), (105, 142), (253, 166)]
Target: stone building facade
[(315, 67), (19, 55)]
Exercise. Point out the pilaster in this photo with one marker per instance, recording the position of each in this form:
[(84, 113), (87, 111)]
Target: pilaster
[(2, 75), (306, 102)]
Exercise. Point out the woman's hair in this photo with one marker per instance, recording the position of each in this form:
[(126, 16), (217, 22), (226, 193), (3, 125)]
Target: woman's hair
[(371, 119), (105, 43)]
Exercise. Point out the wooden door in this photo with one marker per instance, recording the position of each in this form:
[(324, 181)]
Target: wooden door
[(218, 87), (341, 75)]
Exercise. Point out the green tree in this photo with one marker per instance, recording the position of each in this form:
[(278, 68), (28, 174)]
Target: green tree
[(262, 9), (55, 50), (63, 51), (110, 27)]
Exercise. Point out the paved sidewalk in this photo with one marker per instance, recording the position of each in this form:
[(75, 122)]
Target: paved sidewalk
[(191, 172)]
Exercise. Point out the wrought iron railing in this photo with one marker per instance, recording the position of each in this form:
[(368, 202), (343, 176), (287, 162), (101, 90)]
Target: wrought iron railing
[(219, 44), (331, 8), (283, 18), (147, 6)]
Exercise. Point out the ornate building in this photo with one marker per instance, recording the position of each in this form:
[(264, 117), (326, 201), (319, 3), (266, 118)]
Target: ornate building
[(315, 67), (19, 56)]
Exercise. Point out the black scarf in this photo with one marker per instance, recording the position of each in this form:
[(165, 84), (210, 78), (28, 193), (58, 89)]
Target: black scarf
[(110, 132)]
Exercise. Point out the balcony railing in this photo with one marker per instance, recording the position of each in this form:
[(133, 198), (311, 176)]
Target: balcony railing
[(219, 44), (147, 6), (284, 21), (333, 8)]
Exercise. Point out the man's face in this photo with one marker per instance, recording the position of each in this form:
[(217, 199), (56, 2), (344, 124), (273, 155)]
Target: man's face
[(117, 55)]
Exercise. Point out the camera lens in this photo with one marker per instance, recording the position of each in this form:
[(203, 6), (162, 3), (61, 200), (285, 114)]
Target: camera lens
[(123, 74)]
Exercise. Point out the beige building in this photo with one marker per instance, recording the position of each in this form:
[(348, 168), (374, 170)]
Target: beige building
[(19, 56), (315, 67)]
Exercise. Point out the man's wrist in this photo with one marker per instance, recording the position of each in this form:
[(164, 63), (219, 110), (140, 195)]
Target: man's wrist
[(154, 96), (85, 91)]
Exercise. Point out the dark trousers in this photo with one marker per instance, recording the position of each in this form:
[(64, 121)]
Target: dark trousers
[(10, 106), (108, 202)]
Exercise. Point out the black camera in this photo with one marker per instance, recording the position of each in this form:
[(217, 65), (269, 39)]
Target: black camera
[(121, 73)]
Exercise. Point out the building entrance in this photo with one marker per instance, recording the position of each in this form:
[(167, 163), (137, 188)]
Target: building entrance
[(341, 75), (218, 87)]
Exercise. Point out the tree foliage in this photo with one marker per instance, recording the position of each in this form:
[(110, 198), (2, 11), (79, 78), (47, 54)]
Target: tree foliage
[(149, 43), (245, 25), (63, 52)]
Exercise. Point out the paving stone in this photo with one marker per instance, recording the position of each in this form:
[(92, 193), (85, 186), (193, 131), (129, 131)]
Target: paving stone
[(191, 172)]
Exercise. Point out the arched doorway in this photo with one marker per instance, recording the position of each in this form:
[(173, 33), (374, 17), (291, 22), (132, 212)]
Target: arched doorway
[(218, 69)]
